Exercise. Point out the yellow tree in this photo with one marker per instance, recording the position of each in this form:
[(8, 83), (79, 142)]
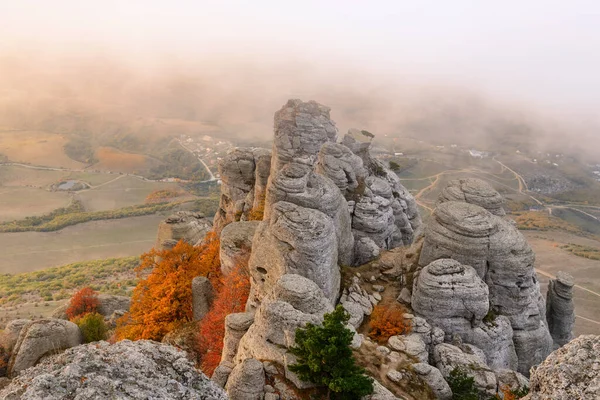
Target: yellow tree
[(162, 301)]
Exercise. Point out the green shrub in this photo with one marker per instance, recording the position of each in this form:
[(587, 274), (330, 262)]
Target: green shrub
[(394, 166), (324, 357), (462, 385), (92, 327)]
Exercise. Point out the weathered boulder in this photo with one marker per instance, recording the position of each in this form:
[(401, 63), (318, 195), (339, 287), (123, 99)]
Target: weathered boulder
[(380, 392), (460, 231), (236, 326), (343, 167), (244, 172), (136, 370), (202, 297), (236, 242), (294, 240), (411, 344), (508, 378), (110, 303), (365, 250), (188, 226), (293, 302), (301, 128), (474, 191), (373, 215), (502, 258), (560, 309), (11, 333), (39, 338), (246, 381), (447, 357), (571, 372), (433, 377)]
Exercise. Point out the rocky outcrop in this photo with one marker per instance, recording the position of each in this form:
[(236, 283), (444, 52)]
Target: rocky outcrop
[(39, 338), (236, 326), (236, 242), (137, 370), (571, 372), (11, 333), (412, 345), (433, 377), (202, 297), (448, 357), (560, 310), (188, 226), (246, 381), (452, 297), (504, 261), (293, 302), (474, 191), (343, 167), (244, 173)]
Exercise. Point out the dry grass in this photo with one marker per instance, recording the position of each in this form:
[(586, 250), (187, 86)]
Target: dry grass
[(542, 221), (111, 159), (21, 202), (36, 148)]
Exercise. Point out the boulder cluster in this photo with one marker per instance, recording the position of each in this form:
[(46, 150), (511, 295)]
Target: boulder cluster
[(124, 370), (188, 226)]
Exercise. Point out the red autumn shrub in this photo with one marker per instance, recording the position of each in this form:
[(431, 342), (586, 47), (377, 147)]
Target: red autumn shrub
[(388, 321), (83, 302)]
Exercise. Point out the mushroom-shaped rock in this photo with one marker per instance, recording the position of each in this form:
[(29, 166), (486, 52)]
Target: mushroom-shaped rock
[(236, 325), (571, 372), (126, 369), (246, 381), (474, 191), (450, 295), (560, 310), (188, 226), (39, 338), (236, 241), (460, 231)]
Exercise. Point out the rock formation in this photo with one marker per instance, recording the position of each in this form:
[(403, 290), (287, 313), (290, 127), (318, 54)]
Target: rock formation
[(39, 338), (560, 310), (474, 191), (202, 297), (183, 225), (244, 173), (111, 306), (571, 372), (452, 297), (503, 260), (137, 370), (433, 377), (236, 242)]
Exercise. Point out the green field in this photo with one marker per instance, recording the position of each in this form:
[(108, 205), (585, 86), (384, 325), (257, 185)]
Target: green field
[(123, 192), (31, 251)]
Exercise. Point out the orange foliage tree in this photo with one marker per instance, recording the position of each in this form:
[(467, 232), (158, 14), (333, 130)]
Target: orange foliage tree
[(162, 301), (231, 298), (83, 302), (388, 321)]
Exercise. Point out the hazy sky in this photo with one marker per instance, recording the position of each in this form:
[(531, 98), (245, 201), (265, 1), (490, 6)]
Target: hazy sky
[(529, 50)]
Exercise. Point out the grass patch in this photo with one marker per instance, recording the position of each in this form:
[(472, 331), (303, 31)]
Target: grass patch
[(74, 214), (588, 252), (113, 276), (542, 221)]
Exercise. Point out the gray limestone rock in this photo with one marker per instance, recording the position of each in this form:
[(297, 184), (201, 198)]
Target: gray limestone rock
[(294, 240), (188, 226), (133, 370), (236, 325), (474, 191), (235, 243), (411, 344), (108, 304), (511, 379), (246, 381), (560, 309), (202, 297), (11, 333), (39, 338), (380, 392), (433, 377), (221, 373), (571, 372), (502, 258), (447, 357), (365, 250), (342, 166)]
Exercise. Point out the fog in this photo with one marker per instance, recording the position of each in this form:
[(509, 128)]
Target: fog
[(444, 71)]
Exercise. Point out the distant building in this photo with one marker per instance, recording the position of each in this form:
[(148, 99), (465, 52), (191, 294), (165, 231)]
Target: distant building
[(477, 153), (398, 154)]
